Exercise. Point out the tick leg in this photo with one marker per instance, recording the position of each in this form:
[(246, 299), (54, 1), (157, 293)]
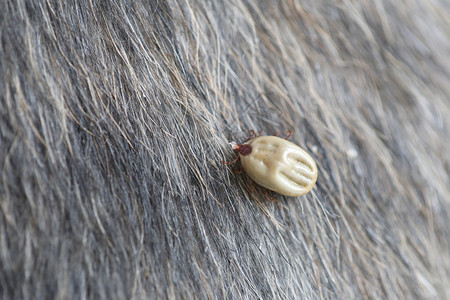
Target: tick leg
[(253, 134), (238, 171), (277, 134), (289, 134), (250, 190), (268, 196), (231, 162)]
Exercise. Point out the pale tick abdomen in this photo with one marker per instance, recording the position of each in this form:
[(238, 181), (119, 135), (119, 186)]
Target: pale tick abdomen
[(280, 166)]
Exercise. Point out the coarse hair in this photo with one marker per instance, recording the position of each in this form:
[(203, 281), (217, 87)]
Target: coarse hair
[(115, 117)]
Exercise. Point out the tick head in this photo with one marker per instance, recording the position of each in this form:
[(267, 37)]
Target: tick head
[(243, 149)]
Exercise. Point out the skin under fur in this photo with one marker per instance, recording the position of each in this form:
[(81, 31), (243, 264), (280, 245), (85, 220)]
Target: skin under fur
[(115, 117)]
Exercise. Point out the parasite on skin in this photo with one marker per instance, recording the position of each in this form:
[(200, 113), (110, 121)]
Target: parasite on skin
[(277, 165)]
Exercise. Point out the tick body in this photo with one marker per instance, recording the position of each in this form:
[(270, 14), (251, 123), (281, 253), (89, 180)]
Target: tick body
[(278, 165)]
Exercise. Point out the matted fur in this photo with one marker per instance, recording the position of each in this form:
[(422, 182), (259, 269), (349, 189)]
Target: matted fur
[(115, 116)]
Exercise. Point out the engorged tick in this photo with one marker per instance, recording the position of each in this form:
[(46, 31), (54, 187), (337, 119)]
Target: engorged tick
[(277, 164)]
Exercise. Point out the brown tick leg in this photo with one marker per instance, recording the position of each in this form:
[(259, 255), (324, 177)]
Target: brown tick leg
[(253, 134), (268, 196), (231, 162), (238, 171), (277, 134), (289, 134)]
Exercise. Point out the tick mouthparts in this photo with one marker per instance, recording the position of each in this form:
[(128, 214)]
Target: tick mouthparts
[(234, 145)]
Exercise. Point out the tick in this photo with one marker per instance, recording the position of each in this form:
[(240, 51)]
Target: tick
[(277, 164)]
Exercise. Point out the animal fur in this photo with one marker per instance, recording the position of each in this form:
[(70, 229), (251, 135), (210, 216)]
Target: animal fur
[(116, 115)]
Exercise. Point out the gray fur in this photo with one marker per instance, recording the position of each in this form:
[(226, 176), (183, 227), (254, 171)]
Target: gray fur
[(116, 115)]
